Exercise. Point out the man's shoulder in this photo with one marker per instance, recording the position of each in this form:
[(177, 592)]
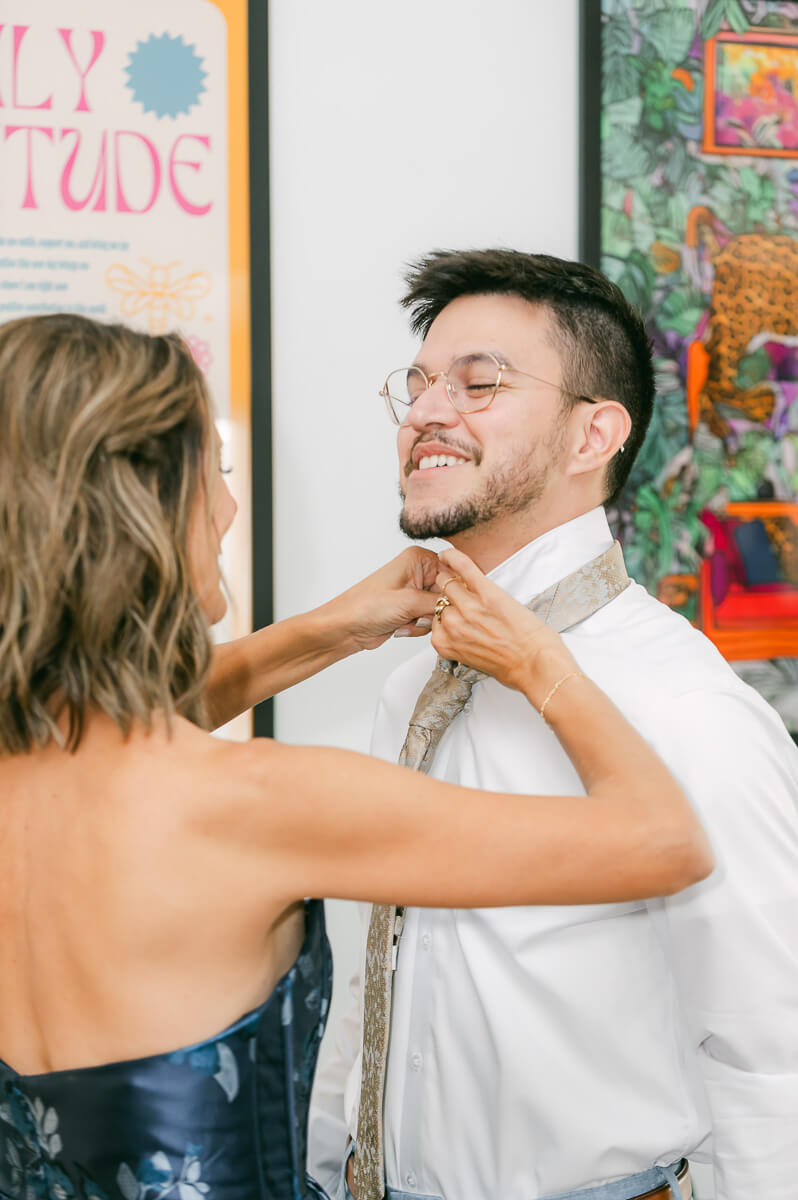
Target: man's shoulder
[(694, 683), (664, 673), (642, 641)]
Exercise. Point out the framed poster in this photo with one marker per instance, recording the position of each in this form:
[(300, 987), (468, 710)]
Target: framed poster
[(125, 192), (690, 204)]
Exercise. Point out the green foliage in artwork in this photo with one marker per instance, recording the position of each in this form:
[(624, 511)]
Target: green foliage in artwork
[(727, 198), (760, 194), (653, 527), (658, 99), (681, 310), (620, 75), (752, 369), (626, 113), (789, 460), (689, 100), (651, 198), (747, 470), (745, 195), (636, 279), (654, 455), (671, 31), (677, 165), (617, 231), (623, 155), (777, 20), (718, 11)]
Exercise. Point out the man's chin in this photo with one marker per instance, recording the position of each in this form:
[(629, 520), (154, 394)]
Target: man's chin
[(445, 523)]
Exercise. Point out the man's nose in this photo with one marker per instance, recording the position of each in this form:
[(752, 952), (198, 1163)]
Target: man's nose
[(433, 407)]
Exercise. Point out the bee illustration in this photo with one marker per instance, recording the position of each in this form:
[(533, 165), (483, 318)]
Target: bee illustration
[(159, 292)]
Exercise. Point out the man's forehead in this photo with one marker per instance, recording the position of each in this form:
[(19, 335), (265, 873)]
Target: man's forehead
[(507, 326)]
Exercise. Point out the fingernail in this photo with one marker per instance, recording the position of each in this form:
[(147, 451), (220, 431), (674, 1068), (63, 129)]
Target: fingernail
[(424, 623), (402, 633)]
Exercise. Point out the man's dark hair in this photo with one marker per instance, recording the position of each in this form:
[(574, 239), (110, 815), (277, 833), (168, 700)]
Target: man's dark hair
[(602, 339)]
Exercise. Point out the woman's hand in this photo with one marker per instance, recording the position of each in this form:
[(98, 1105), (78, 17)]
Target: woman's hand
[(389, 602), (485, 628)]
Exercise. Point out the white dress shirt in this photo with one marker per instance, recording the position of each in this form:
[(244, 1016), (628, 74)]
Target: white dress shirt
[(540, 1050)]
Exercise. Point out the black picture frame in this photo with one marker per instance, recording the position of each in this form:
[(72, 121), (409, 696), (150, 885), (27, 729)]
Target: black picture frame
[(590, 81), (260, 301)]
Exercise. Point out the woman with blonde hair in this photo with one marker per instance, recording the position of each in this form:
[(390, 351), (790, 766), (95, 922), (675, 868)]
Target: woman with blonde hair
[(153, 876)]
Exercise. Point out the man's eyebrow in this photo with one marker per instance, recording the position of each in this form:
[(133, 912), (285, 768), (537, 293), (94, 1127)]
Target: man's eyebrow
[(471, 357)]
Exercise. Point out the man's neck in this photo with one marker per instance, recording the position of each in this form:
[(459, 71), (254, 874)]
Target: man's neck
[(494, 542)]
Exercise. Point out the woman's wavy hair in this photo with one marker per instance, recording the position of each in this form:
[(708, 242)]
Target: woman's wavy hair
[(104, 435)]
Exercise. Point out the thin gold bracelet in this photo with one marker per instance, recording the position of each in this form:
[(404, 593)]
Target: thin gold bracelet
[(557, 686)]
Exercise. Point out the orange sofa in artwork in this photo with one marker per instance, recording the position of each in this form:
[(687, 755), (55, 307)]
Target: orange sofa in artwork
[(749, 583)]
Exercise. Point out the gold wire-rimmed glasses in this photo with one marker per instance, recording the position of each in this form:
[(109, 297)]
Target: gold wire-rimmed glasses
[(471, 382)]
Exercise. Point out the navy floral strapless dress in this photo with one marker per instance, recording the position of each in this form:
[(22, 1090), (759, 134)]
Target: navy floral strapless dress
[(225, 1119)]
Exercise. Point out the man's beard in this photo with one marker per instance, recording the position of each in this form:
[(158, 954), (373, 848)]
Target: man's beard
[(508, 491)]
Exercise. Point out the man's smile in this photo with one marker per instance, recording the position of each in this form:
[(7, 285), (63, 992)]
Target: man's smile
[(431, 456), (432, 461)]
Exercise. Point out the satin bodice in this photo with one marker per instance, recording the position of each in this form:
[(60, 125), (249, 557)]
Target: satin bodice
[(224, 1119)]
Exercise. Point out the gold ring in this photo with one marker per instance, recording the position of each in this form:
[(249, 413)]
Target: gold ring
[(442, 603), (451, 579)]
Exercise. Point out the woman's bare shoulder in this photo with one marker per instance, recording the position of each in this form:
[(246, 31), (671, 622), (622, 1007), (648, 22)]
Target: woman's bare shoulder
[(238, 784), (263, 789), (193, 778)]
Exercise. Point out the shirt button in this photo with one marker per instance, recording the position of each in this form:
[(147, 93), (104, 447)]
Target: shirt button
[(416, 1062), (410, 1179), (426, 941)]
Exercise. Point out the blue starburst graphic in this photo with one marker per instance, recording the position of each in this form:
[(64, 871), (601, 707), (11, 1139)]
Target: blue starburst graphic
[(166, 75)]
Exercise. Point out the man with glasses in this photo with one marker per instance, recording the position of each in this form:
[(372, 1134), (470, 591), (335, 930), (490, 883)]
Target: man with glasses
[(580, 1051)]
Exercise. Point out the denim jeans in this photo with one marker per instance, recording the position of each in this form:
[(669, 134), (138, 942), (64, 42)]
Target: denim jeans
[(621, 1189)]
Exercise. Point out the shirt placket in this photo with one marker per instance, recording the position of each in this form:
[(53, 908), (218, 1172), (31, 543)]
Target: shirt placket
[(414, 1056)]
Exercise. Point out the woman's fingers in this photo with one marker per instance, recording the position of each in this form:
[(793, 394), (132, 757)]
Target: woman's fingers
[(492, 600), (415, 567), (425, 566), (463, 566), (453, 587), (418, 628)]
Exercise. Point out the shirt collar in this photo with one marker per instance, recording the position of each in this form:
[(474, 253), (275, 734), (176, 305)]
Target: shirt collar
[(553, 555)]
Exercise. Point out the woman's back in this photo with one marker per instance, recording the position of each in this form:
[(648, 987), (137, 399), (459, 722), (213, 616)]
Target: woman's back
[(153, 1032), (120, 885)]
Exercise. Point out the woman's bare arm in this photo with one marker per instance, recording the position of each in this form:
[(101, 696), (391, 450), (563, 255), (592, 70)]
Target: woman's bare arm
[(332, 823), (262, 664), (339, 824), (252, 668)]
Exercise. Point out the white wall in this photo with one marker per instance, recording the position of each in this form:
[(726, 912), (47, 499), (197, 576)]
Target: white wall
[(396, 128)]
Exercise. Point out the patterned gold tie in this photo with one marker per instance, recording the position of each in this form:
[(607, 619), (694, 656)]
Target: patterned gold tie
[(444, 696)]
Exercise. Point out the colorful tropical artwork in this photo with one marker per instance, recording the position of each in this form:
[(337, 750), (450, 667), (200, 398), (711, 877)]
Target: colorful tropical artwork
[(699, 227)]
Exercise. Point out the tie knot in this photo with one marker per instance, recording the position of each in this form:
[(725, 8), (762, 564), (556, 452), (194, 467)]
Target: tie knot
[(448, 686), (444, 697)]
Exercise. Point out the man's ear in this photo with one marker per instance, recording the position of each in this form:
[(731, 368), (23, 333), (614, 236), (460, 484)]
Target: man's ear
[(601, 431)]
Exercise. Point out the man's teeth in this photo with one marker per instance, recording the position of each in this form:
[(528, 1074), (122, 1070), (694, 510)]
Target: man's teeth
[(439, 460)]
